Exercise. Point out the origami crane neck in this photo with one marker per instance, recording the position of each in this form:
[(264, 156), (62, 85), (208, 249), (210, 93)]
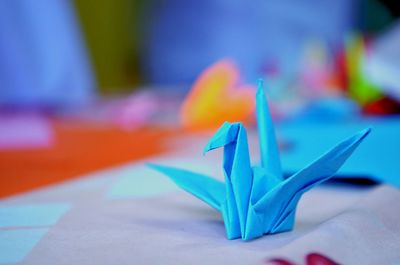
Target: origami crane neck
[(233, 137), (237, 168)]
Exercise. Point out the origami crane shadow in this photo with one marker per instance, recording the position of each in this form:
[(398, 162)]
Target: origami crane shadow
[(258, 200)]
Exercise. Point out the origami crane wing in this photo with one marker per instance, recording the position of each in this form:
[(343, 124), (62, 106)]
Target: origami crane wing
[(207, 189), (280, 203), (211, 191)]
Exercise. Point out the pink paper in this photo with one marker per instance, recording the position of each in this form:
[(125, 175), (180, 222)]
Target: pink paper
[(24, 131)]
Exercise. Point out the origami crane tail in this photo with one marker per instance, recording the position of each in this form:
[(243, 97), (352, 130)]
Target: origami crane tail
[(280, 203), (207, 189), (270, 159)]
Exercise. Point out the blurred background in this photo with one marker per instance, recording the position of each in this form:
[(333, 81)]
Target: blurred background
[(86, 85)]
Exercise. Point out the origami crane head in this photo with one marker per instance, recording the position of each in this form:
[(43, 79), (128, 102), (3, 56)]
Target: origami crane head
[(258, 200)]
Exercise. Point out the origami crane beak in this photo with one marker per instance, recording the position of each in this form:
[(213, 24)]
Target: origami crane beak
[(225, 135)]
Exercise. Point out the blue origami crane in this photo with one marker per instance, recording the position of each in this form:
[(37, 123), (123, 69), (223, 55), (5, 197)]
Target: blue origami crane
[(258, 200)]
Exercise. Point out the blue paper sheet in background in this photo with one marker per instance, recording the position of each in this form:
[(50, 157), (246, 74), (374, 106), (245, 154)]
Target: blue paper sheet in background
[(377, 158)]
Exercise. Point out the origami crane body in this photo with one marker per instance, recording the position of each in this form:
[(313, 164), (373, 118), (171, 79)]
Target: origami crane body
[(258, 200)]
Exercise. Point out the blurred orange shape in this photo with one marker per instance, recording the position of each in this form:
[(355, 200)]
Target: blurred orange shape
[(217, 96)]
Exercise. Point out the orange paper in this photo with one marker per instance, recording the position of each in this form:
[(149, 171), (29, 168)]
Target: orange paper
[(217, 96)]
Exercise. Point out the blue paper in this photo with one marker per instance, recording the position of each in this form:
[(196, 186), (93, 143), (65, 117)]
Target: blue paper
[(16, 244), (32, 215), (138, 183), (376, 159), (258, 200), (22, 227)]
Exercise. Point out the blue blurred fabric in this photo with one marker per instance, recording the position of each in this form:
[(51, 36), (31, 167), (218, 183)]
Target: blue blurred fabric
[(43, 59), (187, 36)]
